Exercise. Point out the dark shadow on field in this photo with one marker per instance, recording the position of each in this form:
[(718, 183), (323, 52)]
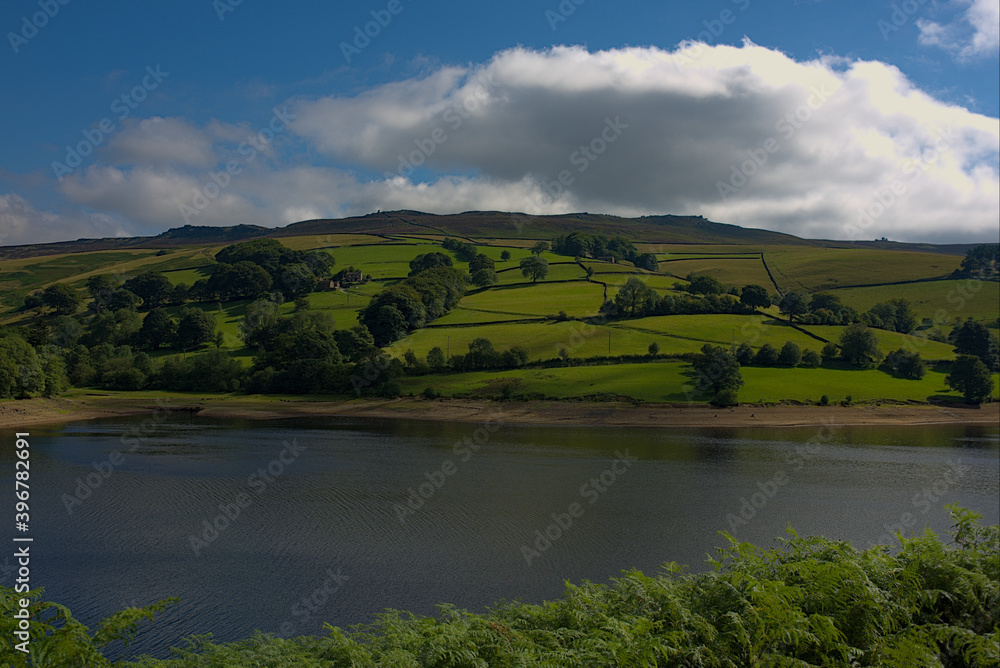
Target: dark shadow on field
[(952, 401)]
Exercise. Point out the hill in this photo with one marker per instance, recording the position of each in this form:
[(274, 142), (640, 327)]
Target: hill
[(665, 229)]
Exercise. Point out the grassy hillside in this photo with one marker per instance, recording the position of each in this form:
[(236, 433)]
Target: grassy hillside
[(545, 317)]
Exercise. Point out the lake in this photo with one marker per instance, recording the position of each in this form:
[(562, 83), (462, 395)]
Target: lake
[(282, 525)]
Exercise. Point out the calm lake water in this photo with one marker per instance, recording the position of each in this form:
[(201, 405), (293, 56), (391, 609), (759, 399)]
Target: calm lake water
[(333, 510)]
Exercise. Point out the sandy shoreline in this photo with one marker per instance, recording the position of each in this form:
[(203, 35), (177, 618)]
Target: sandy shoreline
[(15, 414)]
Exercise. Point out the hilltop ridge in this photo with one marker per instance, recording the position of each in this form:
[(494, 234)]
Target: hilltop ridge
[(666, 229)]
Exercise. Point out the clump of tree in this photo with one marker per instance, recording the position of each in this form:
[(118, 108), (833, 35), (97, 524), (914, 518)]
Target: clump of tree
[(635, 299), (646, 261), (718, 374), (824, 308), (858, 346), (970, 377), (426, 261), (974, 338), (244, 280), (755, 296), (703, 284), (483, 356), (794, 305), (194, 329), (895, 315), (210, 371), (906, 363), (464, 251), (789, 355), (981, 262), (535, 268), (109, 367), (483, 271), (152, 288), (293, 273), (62, 299), (303, 353), (412, 303), (158, 329), (29, 372), (582, 244)]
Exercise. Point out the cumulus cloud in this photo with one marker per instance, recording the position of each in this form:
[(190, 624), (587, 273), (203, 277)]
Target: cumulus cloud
[(973, 33), (642, 130), (161, 141), (830, 148), (22, 223)]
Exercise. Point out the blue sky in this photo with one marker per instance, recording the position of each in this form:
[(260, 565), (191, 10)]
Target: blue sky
[(826, 119)]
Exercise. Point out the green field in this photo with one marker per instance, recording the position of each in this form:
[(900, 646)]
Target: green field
[(942, 301), (32, 273), (618, 277), (311, 241), (487, 313), (557, 272), (542, 340), (723, 330), (576, 299), (662, 382), (730, 272), (817, 269), (464, 316), (774, 384), (889, 341)]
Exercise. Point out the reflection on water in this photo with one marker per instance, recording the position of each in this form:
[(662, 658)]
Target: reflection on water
[(247, 521)]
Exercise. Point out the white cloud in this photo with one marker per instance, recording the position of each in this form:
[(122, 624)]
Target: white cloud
[(505, 131), (630, 131), (161, 141), (974, 33), (22, 223)]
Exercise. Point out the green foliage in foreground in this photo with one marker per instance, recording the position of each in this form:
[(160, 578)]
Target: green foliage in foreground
[(807, 602)]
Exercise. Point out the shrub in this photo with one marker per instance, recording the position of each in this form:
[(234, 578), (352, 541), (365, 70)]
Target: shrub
[(790, 354), (725, 397), (811, 359), (768, 355)]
